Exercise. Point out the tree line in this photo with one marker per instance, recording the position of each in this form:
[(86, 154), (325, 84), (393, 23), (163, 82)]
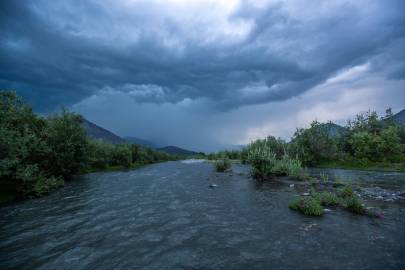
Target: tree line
[(37, 154), (366, 141)]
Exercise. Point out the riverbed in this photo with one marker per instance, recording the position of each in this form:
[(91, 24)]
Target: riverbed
[(166, 216)]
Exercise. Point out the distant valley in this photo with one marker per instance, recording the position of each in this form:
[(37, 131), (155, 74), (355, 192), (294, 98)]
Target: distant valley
[(94, 131)]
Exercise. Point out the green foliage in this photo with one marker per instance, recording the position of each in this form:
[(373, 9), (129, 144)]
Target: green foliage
[(327, 198), (314, 145), (268, 158), (366, 140), (121, 156), (347, 192), (312, 205), (222, 165), (37, 154), (353, 204), (68, 144), (307, 206), (232, 155)]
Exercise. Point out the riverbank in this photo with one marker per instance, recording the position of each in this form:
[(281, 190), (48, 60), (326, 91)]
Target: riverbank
[(385, 167), (8, 196)]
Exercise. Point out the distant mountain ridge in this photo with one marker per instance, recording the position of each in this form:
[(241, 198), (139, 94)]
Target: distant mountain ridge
[(174, 150), (335, 130), (96, 132), (399, 118)]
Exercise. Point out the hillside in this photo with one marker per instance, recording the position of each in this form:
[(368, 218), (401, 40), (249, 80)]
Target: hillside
[(174, 150), (96, 132), (399, 118), (140, 141), (334, 129)]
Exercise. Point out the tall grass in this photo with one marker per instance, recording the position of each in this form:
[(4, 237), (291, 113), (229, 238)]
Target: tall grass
[(223, 165), (269, 158)]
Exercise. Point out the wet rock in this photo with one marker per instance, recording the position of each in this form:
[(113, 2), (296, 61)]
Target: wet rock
[(308, 227), (327, 210), (213, 185), (378, 193), (292, 185)]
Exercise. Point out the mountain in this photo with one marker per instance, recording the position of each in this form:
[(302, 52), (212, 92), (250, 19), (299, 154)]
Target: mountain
[(174, 150), (399, 118), (140, 141), (96, 132), (334, 130)]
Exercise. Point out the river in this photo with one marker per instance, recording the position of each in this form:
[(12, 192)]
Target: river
[(165, 216)]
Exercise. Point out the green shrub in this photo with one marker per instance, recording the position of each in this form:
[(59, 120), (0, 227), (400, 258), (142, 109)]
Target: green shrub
[(222, 165), (68, 143), (121, 156), (266, 160), (347, 192), (353, 204), (307, 206), (327, 198)]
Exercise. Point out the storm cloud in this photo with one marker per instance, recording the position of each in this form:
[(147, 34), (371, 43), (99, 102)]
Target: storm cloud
[(223, 57)]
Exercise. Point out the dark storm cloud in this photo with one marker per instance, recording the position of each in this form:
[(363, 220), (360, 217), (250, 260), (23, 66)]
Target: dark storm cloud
[(60, 52)]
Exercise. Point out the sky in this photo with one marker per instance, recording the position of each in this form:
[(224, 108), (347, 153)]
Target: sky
[(205, 75)]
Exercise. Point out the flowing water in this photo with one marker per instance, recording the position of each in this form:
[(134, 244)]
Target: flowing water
[(165, 216)]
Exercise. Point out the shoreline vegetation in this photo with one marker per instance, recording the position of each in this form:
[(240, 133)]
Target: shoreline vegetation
[(366, 143), (38, 154)]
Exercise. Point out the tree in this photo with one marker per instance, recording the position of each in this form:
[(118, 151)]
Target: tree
[(314, 145), (68, 142)]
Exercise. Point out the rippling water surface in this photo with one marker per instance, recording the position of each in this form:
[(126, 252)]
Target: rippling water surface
[(165, 216)]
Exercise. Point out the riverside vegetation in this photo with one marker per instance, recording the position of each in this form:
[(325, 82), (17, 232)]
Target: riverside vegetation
[(37, 154), (365, 142)]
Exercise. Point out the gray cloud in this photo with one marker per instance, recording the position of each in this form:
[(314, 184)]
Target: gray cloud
[(59, 52), (204, 73)]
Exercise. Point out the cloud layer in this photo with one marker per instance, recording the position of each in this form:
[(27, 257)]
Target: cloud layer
[(212, 58)]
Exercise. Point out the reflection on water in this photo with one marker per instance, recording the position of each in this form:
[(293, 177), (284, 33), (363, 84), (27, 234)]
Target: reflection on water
[(165, 216)]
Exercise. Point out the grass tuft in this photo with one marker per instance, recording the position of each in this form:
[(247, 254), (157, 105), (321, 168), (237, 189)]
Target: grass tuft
[(307, 206), (222, 165)]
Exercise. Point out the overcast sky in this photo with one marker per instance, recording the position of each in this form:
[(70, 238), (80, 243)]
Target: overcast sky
[(205, 74)]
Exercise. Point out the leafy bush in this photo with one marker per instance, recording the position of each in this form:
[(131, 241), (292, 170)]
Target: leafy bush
[(365, 141), (315, 144), (68, 144), (222, 165), (121, 156), (307, 206)]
